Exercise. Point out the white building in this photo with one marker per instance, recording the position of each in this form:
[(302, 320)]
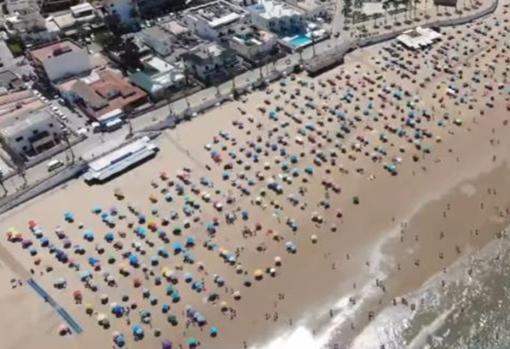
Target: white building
[(212, 20), (30, 134), (211, 62), (83, 12), (158, 39), (251, 43), (278, 17), (60, 60), (418, 38), (157, 77), (312, 8)]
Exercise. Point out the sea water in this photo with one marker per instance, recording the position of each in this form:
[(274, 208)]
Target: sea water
[(467, 307)]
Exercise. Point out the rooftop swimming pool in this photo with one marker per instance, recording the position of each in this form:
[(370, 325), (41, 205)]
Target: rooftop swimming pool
[(300, 41)]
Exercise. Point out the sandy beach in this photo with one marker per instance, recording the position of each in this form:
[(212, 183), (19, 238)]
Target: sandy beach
[(365, 182)]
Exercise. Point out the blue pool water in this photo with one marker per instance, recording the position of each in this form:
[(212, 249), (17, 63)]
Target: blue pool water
[(300, 40)]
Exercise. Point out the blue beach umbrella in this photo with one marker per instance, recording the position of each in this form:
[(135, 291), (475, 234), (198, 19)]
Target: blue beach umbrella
[(213, 331), (88, 235), (137, 331), (133, 260), (109, 237), (177, 247)]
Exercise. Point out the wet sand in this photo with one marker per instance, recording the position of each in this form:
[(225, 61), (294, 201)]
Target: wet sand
[(457, 175)]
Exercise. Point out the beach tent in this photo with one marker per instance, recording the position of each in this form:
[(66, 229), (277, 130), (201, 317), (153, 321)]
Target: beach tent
[(165, 308)]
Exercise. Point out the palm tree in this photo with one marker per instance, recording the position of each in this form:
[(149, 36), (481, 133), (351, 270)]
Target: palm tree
[(2, 182), (312, 36), (386, 5), (22, 171), (65, 136)]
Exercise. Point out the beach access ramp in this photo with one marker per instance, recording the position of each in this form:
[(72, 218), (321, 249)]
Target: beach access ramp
[(75, 327)]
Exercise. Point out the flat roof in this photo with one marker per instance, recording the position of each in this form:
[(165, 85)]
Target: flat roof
[(13, 126), (275, 9), (419, 37), (83, 7), (53, 50), (174, 27), (65, 20), (120, 159), (157, 64), (104, 92), (217, 13), (309, 5)]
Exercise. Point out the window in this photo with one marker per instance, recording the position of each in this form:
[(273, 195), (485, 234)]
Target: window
[(19, 139)]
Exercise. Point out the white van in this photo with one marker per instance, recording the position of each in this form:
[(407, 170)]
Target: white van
[(54, 164)]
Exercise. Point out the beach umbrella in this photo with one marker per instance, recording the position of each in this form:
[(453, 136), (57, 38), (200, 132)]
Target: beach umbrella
[(137, 331), (192, 343), (176, 297), (166, 344), (177, 247), (109, 237), (88, 235), (63, 329), (213, 331), (89, 309), (104, 298), (177, 230), (154, 260), (211, 229), (190, 241), (165, 308), (314, 238), (44, 241), (85, 275), (145, 316), (118, 310), (258, 274), (277, 261), (119, 340), (134, 261), (197, 286), (172, 319), (69, 216), (101, 318), (96, 210), (188, 277), (141, 232), (236, 295)]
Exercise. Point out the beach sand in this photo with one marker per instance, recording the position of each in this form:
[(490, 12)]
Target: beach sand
[(379, 249)]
